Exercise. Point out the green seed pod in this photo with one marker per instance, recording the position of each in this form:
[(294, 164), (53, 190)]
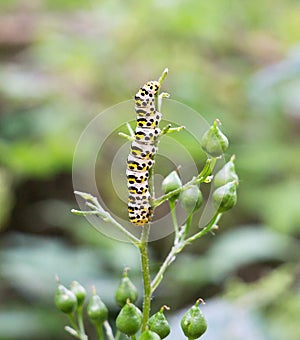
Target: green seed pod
[(149, 335), (159, 324), (225, 197), (226, 174), (170, 183), (191, 199), (193, 322), (214, 142), (65, 300), (126, 290), (79, 292), (129, 320), (96, 310)]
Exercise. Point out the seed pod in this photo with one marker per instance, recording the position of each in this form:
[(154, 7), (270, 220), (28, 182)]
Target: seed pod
[(193, 322), (129, 320), (191, 199), (126, 290), (149, 335), (65, 300), (96, 310), (171, 183), (226, 174), (79, 292), (214, 142), (225, 197), (159, 324)]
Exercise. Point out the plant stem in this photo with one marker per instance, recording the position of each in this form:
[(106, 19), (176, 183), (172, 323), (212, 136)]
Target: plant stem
[(118, 335), (74, 327), (83, 336), (177, 248), (133, 337), (99, 332), (108, 330), (172, 204), (202, 177), (93, 203), (188, 225), (146, 274), (163, 75), (205, 230)]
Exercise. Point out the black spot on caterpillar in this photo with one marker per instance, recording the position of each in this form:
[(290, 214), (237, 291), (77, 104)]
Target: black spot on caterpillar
[(142, 150)]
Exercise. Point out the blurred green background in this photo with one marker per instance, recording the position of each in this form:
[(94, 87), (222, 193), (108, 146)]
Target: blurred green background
[(64, 61)]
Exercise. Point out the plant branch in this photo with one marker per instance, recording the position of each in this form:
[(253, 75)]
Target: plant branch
[(204, 176), (177, 248), (104, 215), (205, 230)]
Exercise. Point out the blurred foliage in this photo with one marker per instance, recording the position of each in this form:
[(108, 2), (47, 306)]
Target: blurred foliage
[(62, 62)]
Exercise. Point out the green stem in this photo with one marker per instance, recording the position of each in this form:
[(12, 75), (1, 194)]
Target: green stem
[(188, 225), (168, 260), (80, 323), (118, 335), (174, 217), (202, 177), (133, 337), (99, 332), (146, 275), (74, 325), (163, 75), (205, 230), (177, 248)]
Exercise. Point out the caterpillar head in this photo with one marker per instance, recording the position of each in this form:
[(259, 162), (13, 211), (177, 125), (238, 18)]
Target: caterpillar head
[(152, 86)]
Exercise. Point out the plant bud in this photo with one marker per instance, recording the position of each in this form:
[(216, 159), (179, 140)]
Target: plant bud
[(191, 199), (65, 300), (79, 292), (96, 310), (225, 197), (193, 322), (126, 290), (170, 183), (129, 320), (226, 174), (149, 335), (159, 324), (214, 142)]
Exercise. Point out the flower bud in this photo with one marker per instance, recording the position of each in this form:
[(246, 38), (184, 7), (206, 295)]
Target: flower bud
[(225, 197), (214, 142), (96, 310), (126, 290), (226, 174), (191, 199), (65, 300), (170, 183), (159, 324), (129, 320), (149, 335), (193, 322), (79, 292)]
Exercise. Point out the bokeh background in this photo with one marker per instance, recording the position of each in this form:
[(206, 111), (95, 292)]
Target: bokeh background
[(64, 61)]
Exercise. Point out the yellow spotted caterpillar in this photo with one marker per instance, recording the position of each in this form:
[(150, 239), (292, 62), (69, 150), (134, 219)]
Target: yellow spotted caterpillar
[(142, 151)]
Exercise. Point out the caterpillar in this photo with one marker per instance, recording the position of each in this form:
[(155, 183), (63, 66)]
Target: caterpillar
[(142, 150)]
